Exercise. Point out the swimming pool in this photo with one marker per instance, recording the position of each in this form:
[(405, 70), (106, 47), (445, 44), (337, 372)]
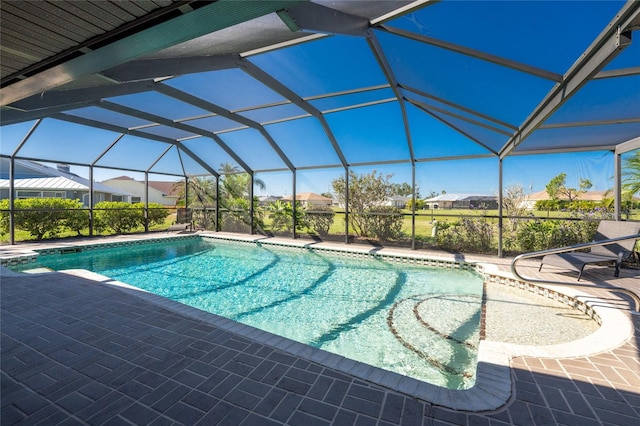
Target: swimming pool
[(422, 322)]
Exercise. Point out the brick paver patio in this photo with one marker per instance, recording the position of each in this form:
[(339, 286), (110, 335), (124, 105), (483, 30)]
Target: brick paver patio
[(74, 352)]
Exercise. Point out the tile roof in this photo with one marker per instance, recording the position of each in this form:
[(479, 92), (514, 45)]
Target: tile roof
[(461, 197), (307, 196)]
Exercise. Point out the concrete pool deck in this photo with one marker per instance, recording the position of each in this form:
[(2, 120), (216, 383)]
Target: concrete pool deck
[(93, 354)]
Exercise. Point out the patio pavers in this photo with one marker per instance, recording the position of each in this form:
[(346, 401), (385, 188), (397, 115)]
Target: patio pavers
[(74, 351)]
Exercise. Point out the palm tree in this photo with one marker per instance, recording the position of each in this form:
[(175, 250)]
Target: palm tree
[(202, 191), (234, 196), (202, 195), (631, 176), (235, 183)]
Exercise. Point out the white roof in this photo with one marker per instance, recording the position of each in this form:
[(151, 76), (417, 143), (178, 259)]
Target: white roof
[(58, 183), (400, 198)]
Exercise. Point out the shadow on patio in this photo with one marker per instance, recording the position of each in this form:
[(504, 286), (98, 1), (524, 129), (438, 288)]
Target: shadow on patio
[(73, 350)]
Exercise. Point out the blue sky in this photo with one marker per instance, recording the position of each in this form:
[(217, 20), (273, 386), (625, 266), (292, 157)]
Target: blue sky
[(462, 176), (538, 36), (468, 176)]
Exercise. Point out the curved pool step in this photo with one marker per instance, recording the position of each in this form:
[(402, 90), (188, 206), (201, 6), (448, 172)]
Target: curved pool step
[(450, 347)]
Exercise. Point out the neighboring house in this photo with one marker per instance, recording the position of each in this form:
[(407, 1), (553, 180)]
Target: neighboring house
[(266, 200), (595, 196), (162, 192), (530, 202), (310, 199), (35, 180), (462, 201), (397, 201)]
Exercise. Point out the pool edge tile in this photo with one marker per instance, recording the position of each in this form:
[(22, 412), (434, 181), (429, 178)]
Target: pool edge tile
[(393, 381)]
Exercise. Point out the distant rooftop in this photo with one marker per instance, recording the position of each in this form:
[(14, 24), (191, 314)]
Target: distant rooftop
[(59, 183), (461, 197)]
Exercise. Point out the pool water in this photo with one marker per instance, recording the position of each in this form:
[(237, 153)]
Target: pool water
[(417, 321)]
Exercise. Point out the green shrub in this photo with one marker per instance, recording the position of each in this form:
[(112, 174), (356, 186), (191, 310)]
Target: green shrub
[(77, 219), (204, 217), (4, 217), (43, 217), (383, 223), (157, 213), (473, 235), (281, 216), (582, 205), (550, 205), (320, 219), (542, 235), (118, 216), (533, 235), (420, 204)]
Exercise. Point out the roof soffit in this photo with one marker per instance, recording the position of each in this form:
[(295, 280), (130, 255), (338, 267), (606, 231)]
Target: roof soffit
[(205, 20)]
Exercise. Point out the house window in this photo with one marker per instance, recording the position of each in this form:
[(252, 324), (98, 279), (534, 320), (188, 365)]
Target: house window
[(28, 194), (40, 194), (117, 198), (135, 199), (53, 194)]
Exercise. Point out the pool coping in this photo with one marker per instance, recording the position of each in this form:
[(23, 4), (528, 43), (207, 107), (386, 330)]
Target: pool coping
[(493, 385)]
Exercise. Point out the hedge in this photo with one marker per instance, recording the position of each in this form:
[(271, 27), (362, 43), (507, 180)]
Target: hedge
[(48, 217)]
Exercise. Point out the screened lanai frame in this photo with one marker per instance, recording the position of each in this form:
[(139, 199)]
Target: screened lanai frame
[(156, 90)]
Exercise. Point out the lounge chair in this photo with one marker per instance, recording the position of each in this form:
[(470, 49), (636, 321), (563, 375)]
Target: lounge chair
[(615, 252), (183, 222)]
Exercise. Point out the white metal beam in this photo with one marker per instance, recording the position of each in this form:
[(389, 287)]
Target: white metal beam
[(627, 146), (611, 41)]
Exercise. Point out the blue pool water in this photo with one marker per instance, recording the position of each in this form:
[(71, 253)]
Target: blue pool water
[(417, 321)]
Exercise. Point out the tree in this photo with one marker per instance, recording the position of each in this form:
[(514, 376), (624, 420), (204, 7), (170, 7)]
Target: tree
[(236, 184), (557, 188), (554, 185), (202, 191), (402, 189), (234, 194), (234, 197), (202, 194), (419, 204), (366, 192), (585, 185), (513, 203), (433, 194), (631, 176)]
